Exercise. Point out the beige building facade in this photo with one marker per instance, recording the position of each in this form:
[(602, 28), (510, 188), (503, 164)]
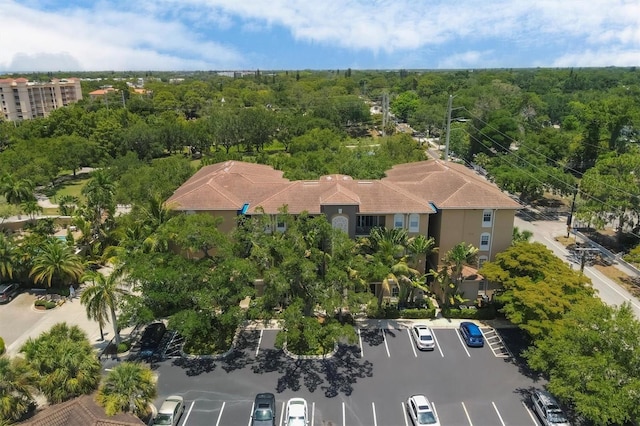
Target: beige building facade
[(24, 100)]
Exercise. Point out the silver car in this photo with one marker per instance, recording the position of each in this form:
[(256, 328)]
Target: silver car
[(548, 409), (170, 411)]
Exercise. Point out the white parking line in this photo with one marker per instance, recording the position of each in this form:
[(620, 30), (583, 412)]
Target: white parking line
[(259, 341), (415, 354), (184, 421), (533, 417), (313, 413), (384, 337), (361, 348), (433, 407), (220, 415), (373, 408), (344, 418), (464, 345), (281, 414), (467, 414), (498, 413), (437, 344), (404, 413), (253, 405)]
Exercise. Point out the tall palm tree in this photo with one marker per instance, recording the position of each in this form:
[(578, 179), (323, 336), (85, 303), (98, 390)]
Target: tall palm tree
[(64, 362), (16, 395), (8, 256), (102, 296), (56, 262), (129, 388), (67, 204), (454, 260), (421, 245)]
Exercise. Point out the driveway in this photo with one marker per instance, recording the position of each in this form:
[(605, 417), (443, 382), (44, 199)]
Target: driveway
[(18, 316)]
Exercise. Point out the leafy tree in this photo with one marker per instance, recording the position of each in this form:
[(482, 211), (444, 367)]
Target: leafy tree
[(197, 233), (128, 388), (539, 288), (16, 390), (591, 357), (64, 363), (16, 191), (404, 105), (56, 263)]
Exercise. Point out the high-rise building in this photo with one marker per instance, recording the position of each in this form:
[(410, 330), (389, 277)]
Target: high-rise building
[(24, 100)]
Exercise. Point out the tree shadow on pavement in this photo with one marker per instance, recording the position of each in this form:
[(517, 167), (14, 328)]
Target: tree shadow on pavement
[(334, 375), (371, 336), (195, 367)]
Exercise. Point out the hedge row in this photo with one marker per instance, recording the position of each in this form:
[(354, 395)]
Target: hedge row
[(48, 304), (486, 313), (391, 312)]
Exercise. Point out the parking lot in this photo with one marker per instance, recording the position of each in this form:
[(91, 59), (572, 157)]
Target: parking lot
[(362, 384)]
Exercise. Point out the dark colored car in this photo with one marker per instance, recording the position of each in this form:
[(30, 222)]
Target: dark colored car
[(8, 292), (151, 339), (264, 410), (471, 334)]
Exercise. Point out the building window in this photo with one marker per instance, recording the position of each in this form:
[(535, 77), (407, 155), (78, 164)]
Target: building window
[(398, 220), (487, 218), (395, 291), (364, 224), (414, 222), (281, 226), (481, 260), (485, 240)]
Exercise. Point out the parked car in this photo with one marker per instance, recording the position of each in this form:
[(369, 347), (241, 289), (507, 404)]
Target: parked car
[(264, 410), (423, 337), (548, 409), (170, 411), (8, 292), (421, 411), (151, 339), (296, 412), (471, 334)]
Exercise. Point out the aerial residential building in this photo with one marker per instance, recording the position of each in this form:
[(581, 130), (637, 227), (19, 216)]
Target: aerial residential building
[(25, 100)]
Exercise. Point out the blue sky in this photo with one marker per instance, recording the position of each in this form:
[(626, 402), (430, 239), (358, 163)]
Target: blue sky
[(95, 35)]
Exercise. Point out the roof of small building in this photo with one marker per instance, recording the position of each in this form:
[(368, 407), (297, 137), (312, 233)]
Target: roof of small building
[(408, 188), (80, 411)]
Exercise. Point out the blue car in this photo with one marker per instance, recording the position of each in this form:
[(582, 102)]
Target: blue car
[(471, 334)]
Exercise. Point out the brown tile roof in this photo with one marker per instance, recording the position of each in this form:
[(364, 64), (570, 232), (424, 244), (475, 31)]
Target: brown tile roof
[(81, 411), (408, 188), (449, 185)]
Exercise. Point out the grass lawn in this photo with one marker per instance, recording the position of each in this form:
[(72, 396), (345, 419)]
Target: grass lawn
[(72, 188)]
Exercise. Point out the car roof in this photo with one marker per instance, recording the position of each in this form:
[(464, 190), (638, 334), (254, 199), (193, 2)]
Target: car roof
[(169, 404), (422, 402), (296, 407), (546, 397)]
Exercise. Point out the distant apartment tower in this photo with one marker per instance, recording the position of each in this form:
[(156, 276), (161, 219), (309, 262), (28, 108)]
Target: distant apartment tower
[(25, 100)]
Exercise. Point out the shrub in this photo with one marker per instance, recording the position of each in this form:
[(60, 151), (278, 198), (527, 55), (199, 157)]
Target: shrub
[(2, 347), (486, 313), (384, 312), (47, 304), (418, 313), (124, 346)]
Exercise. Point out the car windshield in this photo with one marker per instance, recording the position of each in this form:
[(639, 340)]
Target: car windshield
[(426, 338), (162, 419), (426, 418), (263, 414), (557, 416)]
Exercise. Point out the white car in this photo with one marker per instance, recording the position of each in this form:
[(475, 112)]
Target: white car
[(423, 337), (296, 412), (421, 411), (170, 411)]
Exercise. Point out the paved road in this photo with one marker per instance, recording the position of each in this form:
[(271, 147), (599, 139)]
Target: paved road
[(545, 233)]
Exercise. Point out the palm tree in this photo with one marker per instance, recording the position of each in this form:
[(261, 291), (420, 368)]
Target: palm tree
[(521, 236), (31, 208), (99, 192), (421, 245), (8, 256), (459, 255), (129, 388), (67, 204), (101, 296), (56, 262), (16, 191), (64, 362), (15, 389)]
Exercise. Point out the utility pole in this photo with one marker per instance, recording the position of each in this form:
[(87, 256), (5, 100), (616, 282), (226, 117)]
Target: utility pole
[(385, 113), (446, 143), (573, 207)]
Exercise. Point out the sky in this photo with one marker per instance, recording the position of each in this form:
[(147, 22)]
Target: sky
[(172, 35)]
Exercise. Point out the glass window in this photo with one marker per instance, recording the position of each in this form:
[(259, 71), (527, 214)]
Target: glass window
[(485, 239), (487, 218), (481, 260), (398, 220), (414, 222)]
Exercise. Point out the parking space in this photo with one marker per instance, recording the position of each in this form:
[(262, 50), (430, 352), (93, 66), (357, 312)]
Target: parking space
[(494, 341)]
